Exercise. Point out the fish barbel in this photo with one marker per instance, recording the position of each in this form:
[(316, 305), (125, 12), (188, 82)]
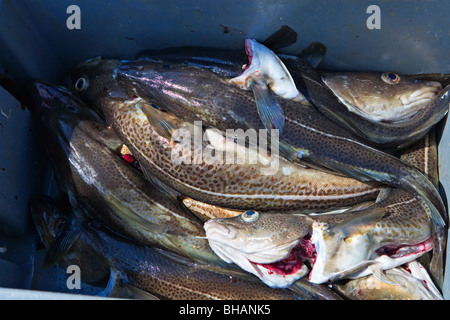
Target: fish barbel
[(240, 183)]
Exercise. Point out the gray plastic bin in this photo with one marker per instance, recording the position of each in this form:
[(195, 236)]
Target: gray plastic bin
[(35, 42)]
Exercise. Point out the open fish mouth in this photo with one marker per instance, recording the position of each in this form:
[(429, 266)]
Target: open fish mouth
[(356, 258), (278, 265)]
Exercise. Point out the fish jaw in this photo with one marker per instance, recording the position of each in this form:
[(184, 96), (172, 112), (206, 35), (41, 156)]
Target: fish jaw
[(264, 65), (349, 258), (276, 265)]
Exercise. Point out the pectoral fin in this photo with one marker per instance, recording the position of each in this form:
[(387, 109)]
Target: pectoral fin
[(67, 235), (164, 123)]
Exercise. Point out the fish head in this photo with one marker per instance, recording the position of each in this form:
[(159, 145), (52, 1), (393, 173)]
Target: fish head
[(57, 111), (405, 286), (380, 96), (263, 244)]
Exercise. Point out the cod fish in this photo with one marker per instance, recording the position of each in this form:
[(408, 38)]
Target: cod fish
[(329, 247), (83, 154), (353, 101), (147, 272), (200, 94), (411, 283), (201, 168)]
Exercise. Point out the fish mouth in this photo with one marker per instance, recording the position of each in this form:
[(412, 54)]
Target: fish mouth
[(419, 98), (354, 261), (278, 266)]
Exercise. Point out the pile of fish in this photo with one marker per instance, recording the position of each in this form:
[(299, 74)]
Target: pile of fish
[(199, 173)]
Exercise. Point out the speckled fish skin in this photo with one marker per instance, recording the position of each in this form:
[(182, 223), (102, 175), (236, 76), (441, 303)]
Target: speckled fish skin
[(149, 270), (202, 95), (239, 186), (116, 192), (381, 134)]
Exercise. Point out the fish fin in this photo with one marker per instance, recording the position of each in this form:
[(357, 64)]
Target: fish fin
[(437, 263), (129, 214), (269, 109), (66, 236), (164, 123), (283, 37), (360, 220), (313, 54), (379, 273), (118, 288)]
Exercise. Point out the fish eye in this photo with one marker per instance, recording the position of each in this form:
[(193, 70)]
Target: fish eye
[(81, 84), (250, 216), (390, 77)]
